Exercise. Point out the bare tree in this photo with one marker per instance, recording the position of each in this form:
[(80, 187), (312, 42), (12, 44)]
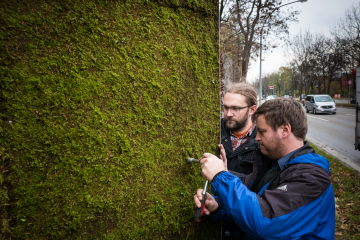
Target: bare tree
[(327, 60), (317, 58), (253, 19), (319, 55), (334, 61), (347, 34), (300, 47), (231, 43), (224, 10), (265, 84), (296, 81)]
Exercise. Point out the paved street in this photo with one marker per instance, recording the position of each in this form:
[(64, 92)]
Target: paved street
[(336, 131)]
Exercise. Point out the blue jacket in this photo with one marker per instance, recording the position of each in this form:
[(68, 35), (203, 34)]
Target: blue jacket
[(296, 204)]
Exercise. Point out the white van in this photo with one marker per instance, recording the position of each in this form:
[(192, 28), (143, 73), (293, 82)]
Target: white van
[(320, 104)]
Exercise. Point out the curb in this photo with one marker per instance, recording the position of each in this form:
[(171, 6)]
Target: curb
[(346, 160), (345, 107)]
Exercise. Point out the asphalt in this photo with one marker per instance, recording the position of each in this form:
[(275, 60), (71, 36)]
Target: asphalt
[(335, 134)]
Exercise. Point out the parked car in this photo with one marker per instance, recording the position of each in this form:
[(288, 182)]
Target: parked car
[(353, 101), (320, 104), (286, 96), (269, 98), (302, 97), (275, 96)]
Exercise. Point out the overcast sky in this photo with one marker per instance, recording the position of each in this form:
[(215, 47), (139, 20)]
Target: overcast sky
[(316, 15)]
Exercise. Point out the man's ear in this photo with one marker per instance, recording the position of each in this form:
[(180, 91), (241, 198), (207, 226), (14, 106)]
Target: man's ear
[(285, 130), (252, 110)]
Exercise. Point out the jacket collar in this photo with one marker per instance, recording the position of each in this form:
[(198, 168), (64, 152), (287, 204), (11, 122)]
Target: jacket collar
[(226, 141), (303, 150), (306, 154), (259, 161)]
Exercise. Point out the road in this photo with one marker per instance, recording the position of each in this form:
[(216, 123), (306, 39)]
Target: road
[(335, 131)]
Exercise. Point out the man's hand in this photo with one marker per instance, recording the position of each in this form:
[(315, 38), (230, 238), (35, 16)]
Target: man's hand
[(210, 165), (210, 204), (223, 156)]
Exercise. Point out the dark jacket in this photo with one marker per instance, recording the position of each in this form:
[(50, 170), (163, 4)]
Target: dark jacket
[(240, 164), (240, 161), (298, 203)]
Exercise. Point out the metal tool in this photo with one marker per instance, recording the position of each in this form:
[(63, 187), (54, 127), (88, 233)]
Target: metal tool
[(199, 211), (192, 160)]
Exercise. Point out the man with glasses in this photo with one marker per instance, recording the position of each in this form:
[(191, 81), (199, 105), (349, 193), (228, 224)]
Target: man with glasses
[(237, 129), (238, 143)]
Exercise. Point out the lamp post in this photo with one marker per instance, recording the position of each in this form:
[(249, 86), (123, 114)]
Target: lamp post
[(302, 1), (260, 80), (283, 87)]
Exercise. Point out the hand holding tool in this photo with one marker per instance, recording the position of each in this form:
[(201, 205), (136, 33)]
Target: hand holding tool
[(199, 211)]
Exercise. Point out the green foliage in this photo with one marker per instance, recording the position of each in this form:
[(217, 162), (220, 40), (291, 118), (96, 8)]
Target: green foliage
[(106, 100), (346, 186)]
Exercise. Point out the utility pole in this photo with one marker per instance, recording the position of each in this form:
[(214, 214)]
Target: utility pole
[(260, 81)]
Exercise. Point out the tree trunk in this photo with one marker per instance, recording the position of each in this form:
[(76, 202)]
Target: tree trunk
[(245, 62), (329, 85), (341, 91)]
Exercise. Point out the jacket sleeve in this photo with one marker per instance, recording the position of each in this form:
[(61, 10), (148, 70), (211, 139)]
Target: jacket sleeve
[(278, 213), (239, 175), (220, 214)]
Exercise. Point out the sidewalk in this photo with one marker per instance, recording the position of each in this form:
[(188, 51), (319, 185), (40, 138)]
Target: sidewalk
[(347, 161)]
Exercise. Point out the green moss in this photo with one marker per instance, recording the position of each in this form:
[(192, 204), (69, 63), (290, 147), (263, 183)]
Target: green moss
[(106, 99)]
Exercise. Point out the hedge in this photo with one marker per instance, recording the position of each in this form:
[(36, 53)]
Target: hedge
[(101, 103)]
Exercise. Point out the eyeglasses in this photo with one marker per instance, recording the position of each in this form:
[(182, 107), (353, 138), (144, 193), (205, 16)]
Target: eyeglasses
[(233, 109)]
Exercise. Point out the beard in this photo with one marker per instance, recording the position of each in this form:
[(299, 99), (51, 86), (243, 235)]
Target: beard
[(275, 150), (236, 124)]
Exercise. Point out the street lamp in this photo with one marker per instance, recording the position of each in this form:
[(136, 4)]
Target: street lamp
[(260, 81), (283, 91), (283, 87), (302, 1)]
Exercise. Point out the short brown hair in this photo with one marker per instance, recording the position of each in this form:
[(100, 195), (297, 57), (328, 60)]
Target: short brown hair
[(244, 89), (280, 111)]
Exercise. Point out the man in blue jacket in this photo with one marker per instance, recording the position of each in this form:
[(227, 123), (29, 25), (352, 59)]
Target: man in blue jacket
[(289, 194)]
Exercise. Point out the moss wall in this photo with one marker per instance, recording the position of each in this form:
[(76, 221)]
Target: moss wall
[(106, 100)]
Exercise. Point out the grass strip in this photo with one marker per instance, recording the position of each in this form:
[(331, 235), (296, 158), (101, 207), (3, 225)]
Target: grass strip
[(346, 105), (342, 98), (337, 104), (346, 185)]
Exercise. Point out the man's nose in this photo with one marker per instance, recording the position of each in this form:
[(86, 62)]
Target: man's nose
[(229, 113), (257, 138)]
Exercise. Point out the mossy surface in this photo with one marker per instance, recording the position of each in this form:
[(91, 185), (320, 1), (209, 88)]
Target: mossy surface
[(106, 100)]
